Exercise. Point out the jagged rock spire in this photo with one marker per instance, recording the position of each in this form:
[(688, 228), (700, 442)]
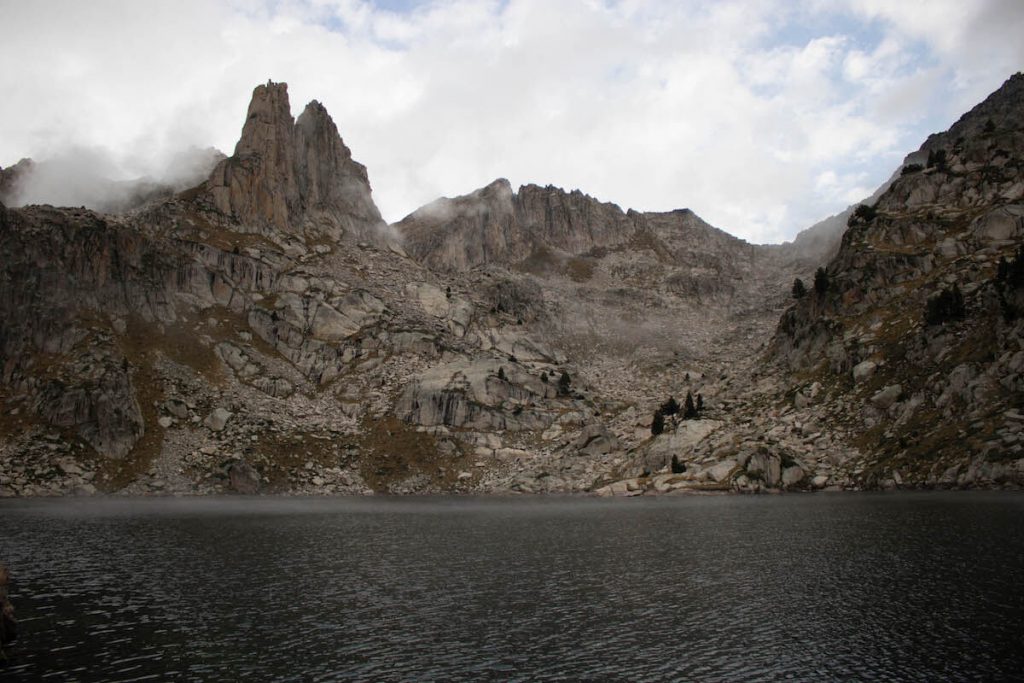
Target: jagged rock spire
[(291, 175)]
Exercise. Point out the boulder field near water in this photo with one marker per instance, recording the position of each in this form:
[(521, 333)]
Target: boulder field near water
[(265, 332)]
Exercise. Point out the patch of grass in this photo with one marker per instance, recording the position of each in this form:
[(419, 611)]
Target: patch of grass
[(278, 455), (579, 269), (392, 451)]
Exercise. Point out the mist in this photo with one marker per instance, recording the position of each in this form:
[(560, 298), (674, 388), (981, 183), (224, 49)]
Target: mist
[(94, 177)]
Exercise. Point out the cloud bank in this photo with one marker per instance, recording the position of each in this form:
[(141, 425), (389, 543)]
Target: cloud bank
[(761, 116)]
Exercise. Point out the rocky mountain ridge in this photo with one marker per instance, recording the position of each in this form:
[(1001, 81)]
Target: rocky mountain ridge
[(903, 366), (264, 331)]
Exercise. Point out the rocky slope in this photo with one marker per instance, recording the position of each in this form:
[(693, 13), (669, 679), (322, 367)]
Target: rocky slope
[(905, 365), (265, 331)]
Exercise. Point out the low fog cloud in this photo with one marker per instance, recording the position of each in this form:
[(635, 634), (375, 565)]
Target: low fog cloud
[(94, 177)]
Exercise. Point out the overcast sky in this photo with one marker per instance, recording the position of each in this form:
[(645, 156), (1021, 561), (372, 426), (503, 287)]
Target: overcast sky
[(763, 116)]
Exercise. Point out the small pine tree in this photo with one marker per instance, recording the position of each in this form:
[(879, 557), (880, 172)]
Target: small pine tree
[(946, 306), (689, 408), (677, 467), (865, 212), (658, 423), (799, 290), (670, 407), (1002, 270), (821, 282), (700, 404), (937, 159), (544, 377), (501, 374), (990, 126), (1011, 273), (564, 383)]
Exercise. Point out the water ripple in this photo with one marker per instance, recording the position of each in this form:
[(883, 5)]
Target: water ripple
[(909, 587)]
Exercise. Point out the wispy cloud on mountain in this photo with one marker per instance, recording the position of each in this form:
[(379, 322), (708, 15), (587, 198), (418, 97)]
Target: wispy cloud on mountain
[(761, 116)]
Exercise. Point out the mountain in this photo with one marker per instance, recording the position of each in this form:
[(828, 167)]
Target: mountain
[(918, 339), (903, 365), (266, 331)]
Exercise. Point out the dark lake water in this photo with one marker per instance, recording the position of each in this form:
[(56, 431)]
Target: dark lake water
[(926, 586)]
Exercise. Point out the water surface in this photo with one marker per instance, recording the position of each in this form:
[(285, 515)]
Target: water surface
[(922, 586)]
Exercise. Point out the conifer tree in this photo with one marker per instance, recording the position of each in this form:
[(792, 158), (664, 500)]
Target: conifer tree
[(658, 423), (689, 409), (563, 384), (821, 281), (670, 407)]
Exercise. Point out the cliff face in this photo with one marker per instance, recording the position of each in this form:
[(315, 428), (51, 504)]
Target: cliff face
[(293, 176), (458, 234), (919, 334), (547, 231), (495, 225)]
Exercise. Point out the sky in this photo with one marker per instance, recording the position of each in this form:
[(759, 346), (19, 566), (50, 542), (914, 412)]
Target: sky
[(762, 116)]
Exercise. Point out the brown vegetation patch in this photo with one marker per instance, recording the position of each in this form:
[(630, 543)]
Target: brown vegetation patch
[(580, 269), (542, 261), (393, 451), (278, 455)]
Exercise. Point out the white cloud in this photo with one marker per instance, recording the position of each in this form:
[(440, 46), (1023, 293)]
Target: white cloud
[(653, 105)]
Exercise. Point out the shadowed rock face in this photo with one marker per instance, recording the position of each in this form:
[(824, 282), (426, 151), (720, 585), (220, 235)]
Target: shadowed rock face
[(292, 175)]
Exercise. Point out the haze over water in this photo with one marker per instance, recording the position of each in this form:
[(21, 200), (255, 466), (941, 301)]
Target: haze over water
[(905, 586)]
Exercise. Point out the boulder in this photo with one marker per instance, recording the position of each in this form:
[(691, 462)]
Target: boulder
[(792, 475), (767, 466), (218, 419), (999, 225), (887, 396), (722, 470), (864, 370), (659, 452), (243, 478), (595, 439)]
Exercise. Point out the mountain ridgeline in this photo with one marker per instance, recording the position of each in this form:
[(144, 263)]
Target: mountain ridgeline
[(264, 330)]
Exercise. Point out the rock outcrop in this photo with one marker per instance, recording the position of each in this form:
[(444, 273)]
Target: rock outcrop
[(499, 226), (294, 176)]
